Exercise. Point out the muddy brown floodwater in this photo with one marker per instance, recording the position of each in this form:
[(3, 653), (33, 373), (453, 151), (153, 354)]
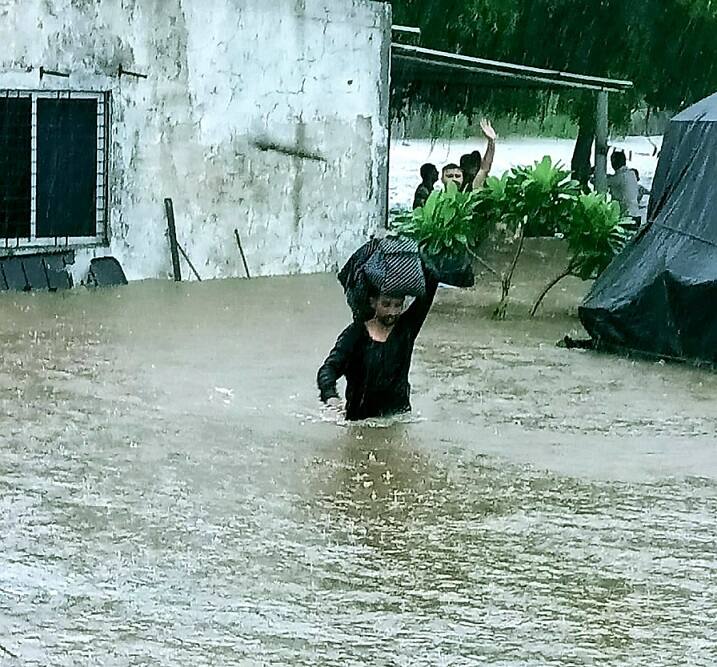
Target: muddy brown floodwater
[(171, 494)]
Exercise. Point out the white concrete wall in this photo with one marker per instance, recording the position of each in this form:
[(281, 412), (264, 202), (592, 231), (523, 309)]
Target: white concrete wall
[(225, 77)]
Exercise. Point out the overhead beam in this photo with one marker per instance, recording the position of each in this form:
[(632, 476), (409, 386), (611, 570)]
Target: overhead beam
[(418, 58), (468, 73), (405, 28)]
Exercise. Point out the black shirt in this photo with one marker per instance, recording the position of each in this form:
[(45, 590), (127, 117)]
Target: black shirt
[(376, 373), (423, 192)]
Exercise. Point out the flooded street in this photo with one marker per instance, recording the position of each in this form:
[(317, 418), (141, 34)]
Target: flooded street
[(172, 494)]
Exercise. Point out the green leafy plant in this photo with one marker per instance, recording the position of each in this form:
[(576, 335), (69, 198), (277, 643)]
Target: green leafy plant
[(543, 200), (450, 228), (446, 224), (534, 200), (595, 234), (540, 196)]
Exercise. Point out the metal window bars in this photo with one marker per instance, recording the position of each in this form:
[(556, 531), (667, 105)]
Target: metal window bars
[(19, 169)]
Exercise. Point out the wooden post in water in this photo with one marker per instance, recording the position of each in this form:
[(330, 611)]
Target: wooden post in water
[(241, 250), (176, 269), (601, 131)]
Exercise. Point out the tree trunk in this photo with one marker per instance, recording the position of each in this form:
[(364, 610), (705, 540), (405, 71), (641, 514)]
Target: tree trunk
[(482, 262), (547, 288), (507, 279), (581, 163)]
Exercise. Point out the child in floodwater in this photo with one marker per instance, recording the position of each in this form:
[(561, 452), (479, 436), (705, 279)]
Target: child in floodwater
[(375, 357)]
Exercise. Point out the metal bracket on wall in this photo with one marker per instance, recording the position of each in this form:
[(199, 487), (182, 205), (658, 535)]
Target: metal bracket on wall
[(51, 72), (124, 72)]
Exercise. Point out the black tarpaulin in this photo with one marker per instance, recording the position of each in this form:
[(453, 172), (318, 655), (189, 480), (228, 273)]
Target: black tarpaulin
[(659, 295)]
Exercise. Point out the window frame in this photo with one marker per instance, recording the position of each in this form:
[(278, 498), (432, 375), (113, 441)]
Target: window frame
[(102, 208)]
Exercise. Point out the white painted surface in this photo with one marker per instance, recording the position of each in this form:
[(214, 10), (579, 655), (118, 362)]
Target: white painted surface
[(224, 76)]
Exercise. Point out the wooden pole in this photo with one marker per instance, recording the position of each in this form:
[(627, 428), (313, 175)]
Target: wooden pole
[(189, 261), (176, 269), (601, 130), (241, 250)]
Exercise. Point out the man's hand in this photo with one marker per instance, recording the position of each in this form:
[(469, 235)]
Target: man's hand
[(488, 131)]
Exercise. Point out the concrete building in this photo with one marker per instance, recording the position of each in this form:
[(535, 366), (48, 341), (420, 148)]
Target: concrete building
[(268, 116)]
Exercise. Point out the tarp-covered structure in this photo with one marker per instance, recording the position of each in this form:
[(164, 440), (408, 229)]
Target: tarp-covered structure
[(659, 295)]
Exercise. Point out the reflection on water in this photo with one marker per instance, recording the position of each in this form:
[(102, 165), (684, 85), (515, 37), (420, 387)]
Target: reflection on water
[(172, 494)]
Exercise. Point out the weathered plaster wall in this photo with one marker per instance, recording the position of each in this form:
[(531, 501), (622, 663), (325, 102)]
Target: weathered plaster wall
[(235, 90)]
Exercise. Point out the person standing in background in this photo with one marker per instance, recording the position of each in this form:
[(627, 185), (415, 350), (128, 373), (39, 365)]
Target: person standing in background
[(480, 165), (624, 188), (429, 176)]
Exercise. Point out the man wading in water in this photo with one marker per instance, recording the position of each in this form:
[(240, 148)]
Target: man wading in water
[(375, 357)]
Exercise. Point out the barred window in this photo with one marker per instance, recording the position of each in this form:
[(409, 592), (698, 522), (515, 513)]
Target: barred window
[(53, 168)]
